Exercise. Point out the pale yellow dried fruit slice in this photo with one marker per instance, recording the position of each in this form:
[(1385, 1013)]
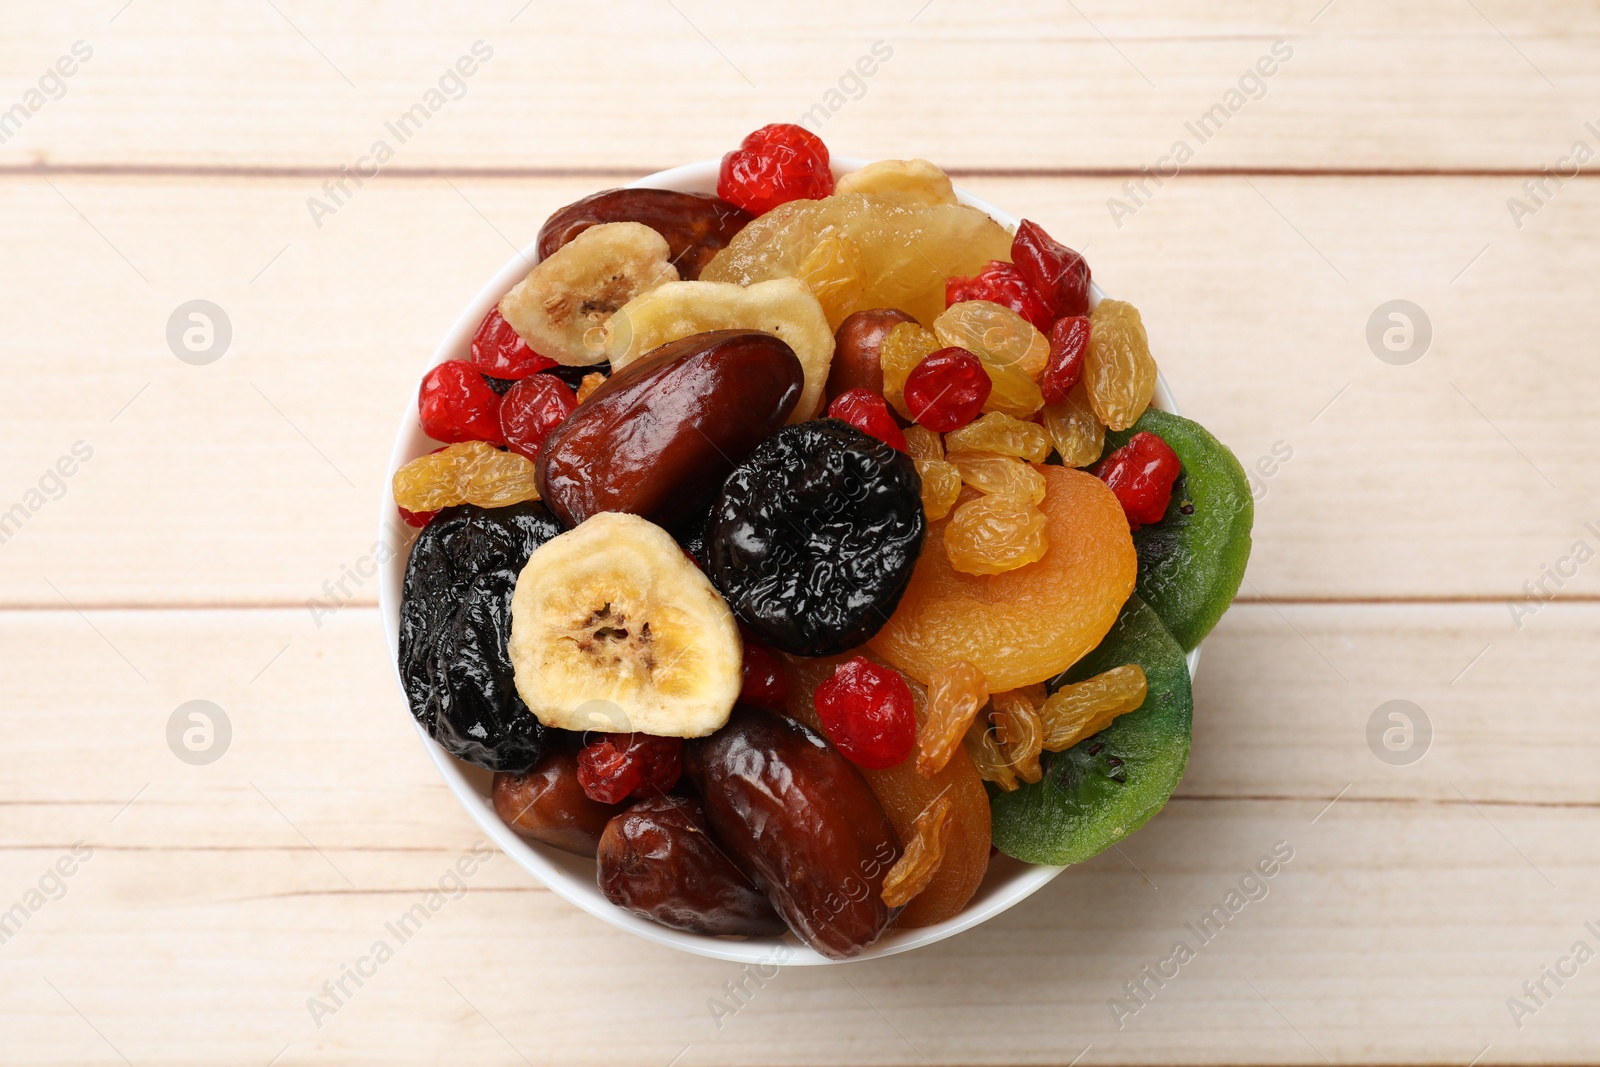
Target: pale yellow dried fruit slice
[(562, 303), (908, 248), (614, 628), (836, 276), (783, 307), (915, 178)]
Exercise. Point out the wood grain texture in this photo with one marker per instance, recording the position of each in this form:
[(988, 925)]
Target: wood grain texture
[(1440, 84)]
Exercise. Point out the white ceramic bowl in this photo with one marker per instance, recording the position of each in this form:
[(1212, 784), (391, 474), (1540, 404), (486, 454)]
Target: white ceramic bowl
[(572, 877)]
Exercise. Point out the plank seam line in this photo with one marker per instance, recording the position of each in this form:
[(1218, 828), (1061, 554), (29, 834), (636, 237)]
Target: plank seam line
[(260, 171)]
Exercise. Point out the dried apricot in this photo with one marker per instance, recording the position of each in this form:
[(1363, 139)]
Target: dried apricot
[(1074, 428), (1082, 709), (1118, 368), (472, 472), (941, 487), (837, 277), (1003, 435), (995, 534), (956, 694), (1019, 733), (924, 854), (1032, 623), (1010, 349), (998, 475), (903, 793), (903, 348), (908, 247)]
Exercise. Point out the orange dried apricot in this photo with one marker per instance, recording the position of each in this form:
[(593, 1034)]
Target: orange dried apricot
[(1030, 624)]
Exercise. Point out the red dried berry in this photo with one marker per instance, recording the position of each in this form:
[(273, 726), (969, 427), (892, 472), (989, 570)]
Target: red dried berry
[(947, 389), (1069, 340), (531, 409), (867, 412), (766, 683), (498, 352), (1001, 283), (1056, 272), (774, 165), (622, 765), (867, 713), (1141, 474), (419, 519), (456, 404)]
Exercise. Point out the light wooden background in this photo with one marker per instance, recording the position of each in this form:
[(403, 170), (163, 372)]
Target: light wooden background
[(219, 500)]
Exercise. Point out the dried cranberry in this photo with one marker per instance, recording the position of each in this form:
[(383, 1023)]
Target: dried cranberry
[(534, 406), (419, 519), (622, 765), (1141, 473), (1069, 340), (947, 389), (774, 165), (456, 404), (1056, 272), (498, 351), (868, 714), (1001, 283), (867, 412), (766, 684)]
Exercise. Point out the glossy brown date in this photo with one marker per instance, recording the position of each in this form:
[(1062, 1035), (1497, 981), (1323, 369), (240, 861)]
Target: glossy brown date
[(658, 859), (697, 226), (548, 805), (855, 350), (798, 815), (661, 435)]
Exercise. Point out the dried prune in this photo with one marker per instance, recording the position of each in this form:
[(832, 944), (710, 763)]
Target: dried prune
[(795, 813), (455, 623), (658, 859), (814, 537), (697, 226), (548, 805)]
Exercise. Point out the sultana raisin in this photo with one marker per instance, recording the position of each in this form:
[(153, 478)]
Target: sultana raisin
[(941, 487), (1019, 732), (1118, 367), (1084, 708), (471, 472), (923, 443), (903, 348), (1077, 432), (1010, 349), (923, 854), (998, 475), (995, 534), (956, 694), (984, 751), (1003, 435)]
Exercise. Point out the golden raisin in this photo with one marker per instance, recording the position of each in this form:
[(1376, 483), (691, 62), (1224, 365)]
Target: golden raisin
[(923, 443), (1003, 435), (471, 472), (1019, 733), (1074, 428), (995, 534), (955, 695), (998, 475), (903, 348), (941, 486), (1084, 708), (836, 275), (1118, 368), (590, 383), (984, 751), (924, 853), (1012, 352)]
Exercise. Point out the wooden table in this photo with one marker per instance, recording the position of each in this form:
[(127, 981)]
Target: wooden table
[(1424, 533)]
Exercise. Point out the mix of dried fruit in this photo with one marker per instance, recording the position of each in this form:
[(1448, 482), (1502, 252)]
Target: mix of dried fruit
[(772, 531)]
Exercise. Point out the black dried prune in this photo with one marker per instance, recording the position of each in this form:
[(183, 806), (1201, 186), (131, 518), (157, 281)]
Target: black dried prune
[(813, 539), (455, 623)]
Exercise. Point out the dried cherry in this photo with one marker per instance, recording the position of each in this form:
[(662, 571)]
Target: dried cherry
[(1003, 284), (531, 409), (813, 538), (499, 352), (868, 714), (455, 625), (1141, 473), (1055, 271), (867, 412), (456, 404), (947, 389), (774, 165), (617, 766), (1069, 340)]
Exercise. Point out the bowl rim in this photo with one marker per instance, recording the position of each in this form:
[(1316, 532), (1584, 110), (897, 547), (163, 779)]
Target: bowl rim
[(570, 877)]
